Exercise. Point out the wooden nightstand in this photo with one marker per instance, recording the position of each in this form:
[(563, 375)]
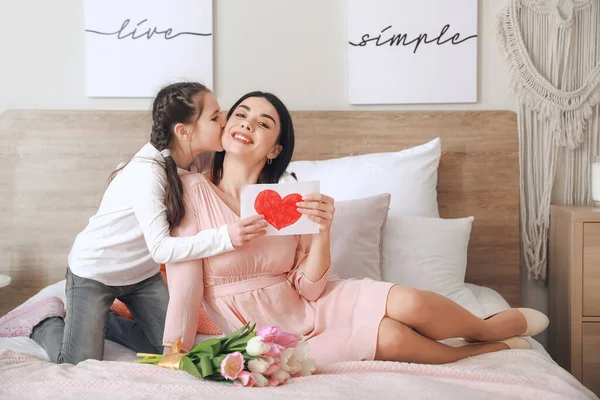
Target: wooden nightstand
[(574, 291)]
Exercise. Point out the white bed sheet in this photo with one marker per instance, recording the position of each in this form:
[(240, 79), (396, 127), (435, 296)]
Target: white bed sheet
[(490, 300)]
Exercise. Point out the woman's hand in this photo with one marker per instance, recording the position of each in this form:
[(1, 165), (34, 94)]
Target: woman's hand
[(246, 229), (319, 208)]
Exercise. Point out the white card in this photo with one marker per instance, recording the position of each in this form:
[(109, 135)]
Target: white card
[(277, 202)]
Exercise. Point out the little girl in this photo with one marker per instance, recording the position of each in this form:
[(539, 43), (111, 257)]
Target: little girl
[(118, 254)]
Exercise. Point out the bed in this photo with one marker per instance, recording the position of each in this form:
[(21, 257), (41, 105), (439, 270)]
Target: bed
[(55, 164)]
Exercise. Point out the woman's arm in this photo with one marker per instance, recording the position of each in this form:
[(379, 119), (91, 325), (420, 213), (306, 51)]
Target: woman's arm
[(186, 286), (316, 266), (186, 290), (318, 261)]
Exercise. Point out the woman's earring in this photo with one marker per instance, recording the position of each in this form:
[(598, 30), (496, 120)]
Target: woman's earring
[(269, 161)]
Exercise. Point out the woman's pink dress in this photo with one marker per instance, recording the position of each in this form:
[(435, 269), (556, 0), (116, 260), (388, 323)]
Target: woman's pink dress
[(263, 283)]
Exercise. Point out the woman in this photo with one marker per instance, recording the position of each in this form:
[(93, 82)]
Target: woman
[(118, 254), (283, 280)]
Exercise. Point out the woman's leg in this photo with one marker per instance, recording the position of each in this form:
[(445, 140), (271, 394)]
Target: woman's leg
[(398, 342), (438, 317), (81, 335)]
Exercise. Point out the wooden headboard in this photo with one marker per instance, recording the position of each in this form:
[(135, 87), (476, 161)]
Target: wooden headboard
[(54, 167)]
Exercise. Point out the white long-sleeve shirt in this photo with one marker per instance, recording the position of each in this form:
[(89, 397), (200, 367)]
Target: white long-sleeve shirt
[(129, 236)]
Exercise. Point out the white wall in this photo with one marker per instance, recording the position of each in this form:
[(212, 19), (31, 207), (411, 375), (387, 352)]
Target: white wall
[(296, 49)]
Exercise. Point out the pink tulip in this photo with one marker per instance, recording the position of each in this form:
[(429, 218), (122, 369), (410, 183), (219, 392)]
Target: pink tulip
[(272, 370), (273, 382), (286, 339), (268, 333), (275, 350), (232, 365), (246, 379)]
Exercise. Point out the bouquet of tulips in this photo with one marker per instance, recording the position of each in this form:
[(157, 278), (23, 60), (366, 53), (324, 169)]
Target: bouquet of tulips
[(267, 357)]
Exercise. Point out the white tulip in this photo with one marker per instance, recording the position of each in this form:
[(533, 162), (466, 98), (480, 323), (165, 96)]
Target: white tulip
[(270, 360), (281, 376), (258, 365), (261, 381), (308, 367), (288, 361), (301, 351), (256, 347)]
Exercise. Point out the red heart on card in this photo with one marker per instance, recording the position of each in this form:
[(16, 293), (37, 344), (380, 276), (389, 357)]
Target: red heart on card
[(277, 211)]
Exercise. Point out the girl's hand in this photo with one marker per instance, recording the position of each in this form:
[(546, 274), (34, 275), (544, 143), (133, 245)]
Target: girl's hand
[(246, 229), (319, 208)]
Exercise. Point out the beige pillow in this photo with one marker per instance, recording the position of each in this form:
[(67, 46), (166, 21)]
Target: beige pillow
[(356, 237)]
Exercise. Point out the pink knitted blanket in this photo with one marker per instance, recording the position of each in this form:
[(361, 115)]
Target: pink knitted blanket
[(502, 375)]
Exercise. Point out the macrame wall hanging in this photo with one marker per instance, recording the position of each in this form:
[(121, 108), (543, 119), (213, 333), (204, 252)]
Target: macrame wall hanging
[(554, 62)]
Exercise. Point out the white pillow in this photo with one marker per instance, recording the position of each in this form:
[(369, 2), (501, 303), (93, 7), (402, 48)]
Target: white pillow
[(491, 301), (432, 255), (409, 176)]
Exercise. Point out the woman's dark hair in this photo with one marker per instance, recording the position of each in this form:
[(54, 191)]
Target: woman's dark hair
[(271, 173), (180, 102)]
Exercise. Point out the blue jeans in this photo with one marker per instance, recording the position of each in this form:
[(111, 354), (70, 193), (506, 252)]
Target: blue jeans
[(89, 320)]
